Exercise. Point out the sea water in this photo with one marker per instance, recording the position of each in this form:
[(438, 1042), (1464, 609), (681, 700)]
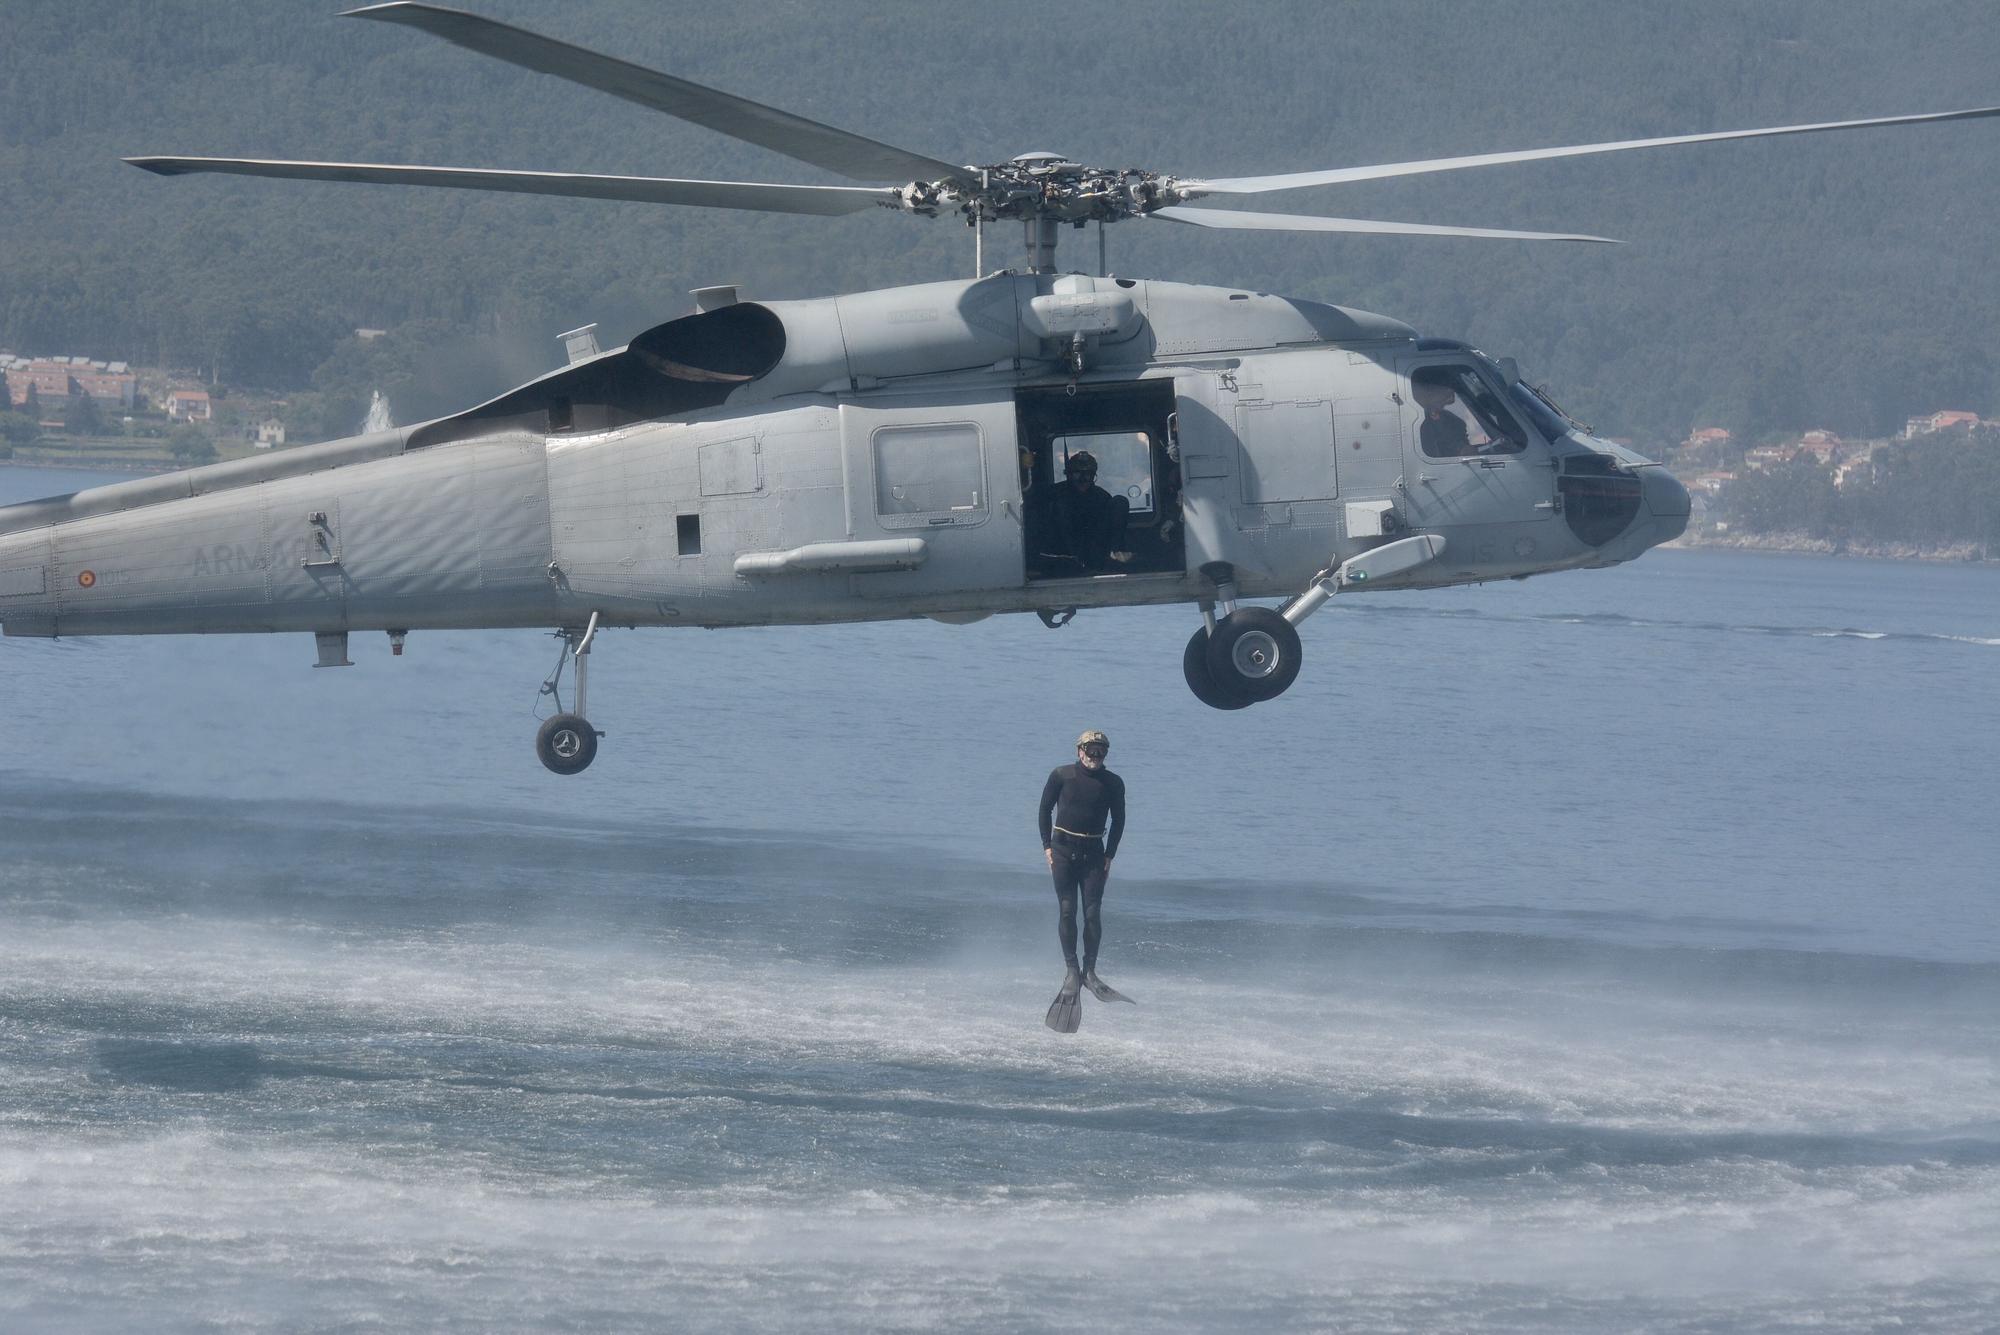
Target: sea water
[(1613, 950)]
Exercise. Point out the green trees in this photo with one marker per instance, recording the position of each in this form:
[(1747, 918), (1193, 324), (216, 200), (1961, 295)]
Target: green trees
[(16, 429), (1937, 491), (1824, 281), (190, 445), (82, 416)]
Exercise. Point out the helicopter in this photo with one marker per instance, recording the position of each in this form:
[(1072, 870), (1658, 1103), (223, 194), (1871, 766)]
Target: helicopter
[(1025, 440)]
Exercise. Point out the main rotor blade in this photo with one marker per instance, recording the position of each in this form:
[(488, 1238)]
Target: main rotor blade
[(852, 155), (1253, 185), (820, 199), (1302, 222)]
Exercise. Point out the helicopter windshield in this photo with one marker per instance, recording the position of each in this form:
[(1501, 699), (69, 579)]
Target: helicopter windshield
[(1548, 419)]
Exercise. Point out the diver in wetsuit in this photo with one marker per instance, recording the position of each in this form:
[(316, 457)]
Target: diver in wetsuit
[(1076, 802)]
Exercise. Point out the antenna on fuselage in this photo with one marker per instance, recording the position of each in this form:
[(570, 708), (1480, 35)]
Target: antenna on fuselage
[(580, 344)]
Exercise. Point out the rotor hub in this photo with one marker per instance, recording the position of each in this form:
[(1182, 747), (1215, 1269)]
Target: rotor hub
[(1038, 186)]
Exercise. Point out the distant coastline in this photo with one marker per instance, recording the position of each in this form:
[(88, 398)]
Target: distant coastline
[(90, 465), (1805, 544)]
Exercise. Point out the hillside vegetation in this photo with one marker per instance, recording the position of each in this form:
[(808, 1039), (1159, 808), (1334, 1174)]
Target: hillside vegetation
[(1843, 281)]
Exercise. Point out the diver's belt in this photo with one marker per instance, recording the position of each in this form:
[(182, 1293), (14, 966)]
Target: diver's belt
[(1076, 834)]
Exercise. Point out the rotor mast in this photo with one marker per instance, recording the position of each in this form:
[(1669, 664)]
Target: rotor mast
[(1041, 236)]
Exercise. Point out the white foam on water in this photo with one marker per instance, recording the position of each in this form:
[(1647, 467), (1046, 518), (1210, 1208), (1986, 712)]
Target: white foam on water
[(1586, 1049), (197, 1224), (909, 1148)]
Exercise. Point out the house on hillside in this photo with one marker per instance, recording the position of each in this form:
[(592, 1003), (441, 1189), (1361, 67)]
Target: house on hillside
[(1769, 456), (48, 377), (1941, 421), (270, 433), (1861, 466), (1706, 435), (189, 405), (57, 380), (110, 383), (1824, 446)]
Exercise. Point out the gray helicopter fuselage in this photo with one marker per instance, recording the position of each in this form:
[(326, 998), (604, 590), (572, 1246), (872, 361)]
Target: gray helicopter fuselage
[(880, 455)]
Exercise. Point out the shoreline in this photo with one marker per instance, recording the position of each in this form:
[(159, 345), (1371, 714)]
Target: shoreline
[(91, 465), (1803, 544)]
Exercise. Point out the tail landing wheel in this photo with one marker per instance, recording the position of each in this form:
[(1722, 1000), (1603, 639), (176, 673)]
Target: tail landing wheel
[(566, 743)]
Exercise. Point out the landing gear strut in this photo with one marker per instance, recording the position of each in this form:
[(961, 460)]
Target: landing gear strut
[(566, 742), (1247, 655), (1250, 654)]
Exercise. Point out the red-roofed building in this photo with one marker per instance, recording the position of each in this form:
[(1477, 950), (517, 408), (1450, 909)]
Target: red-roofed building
[(1943, 421), (189, 405), (46, 376), (56, 380), (108, 386)]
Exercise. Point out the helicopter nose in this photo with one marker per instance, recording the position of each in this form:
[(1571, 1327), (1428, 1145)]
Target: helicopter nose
[(1662, 516), (1666, 502)]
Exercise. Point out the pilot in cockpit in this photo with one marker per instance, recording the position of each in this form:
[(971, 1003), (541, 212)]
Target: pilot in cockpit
[(1442, 434)]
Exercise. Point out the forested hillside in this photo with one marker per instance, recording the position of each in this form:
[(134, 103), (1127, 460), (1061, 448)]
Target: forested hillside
[(1843, 281)]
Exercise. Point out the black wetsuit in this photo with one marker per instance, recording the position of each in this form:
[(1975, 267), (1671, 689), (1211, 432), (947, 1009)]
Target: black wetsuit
[(1075, 803)]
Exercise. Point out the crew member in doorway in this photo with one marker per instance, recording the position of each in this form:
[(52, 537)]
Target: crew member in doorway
[(1076, 803), (1086, 522)]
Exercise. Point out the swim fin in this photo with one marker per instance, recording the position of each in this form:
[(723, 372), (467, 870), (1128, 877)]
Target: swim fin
[(1066, 1011), (1104, 991)]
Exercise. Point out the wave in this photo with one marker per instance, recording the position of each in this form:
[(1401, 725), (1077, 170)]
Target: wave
[(1620, 621)]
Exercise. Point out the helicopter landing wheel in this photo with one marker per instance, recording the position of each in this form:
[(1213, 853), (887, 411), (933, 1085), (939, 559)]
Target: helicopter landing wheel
[(1254, 653), (1194, 666), (567, 743)]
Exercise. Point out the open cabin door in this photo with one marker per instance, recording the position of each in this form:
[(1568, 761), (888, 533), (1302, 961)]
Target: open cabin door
[(1136, 527), (937, 479)]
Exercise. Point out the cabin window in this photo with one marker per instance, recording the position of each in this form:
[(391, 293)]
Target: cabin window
[(929, 475), (1458, 413), (1124, 463), (688, 533)]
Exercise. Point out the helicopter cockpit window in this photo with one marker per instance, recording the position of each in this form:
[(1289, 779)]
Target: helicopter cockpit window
[(929, 475), (1124, 464), (1462, 414)]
